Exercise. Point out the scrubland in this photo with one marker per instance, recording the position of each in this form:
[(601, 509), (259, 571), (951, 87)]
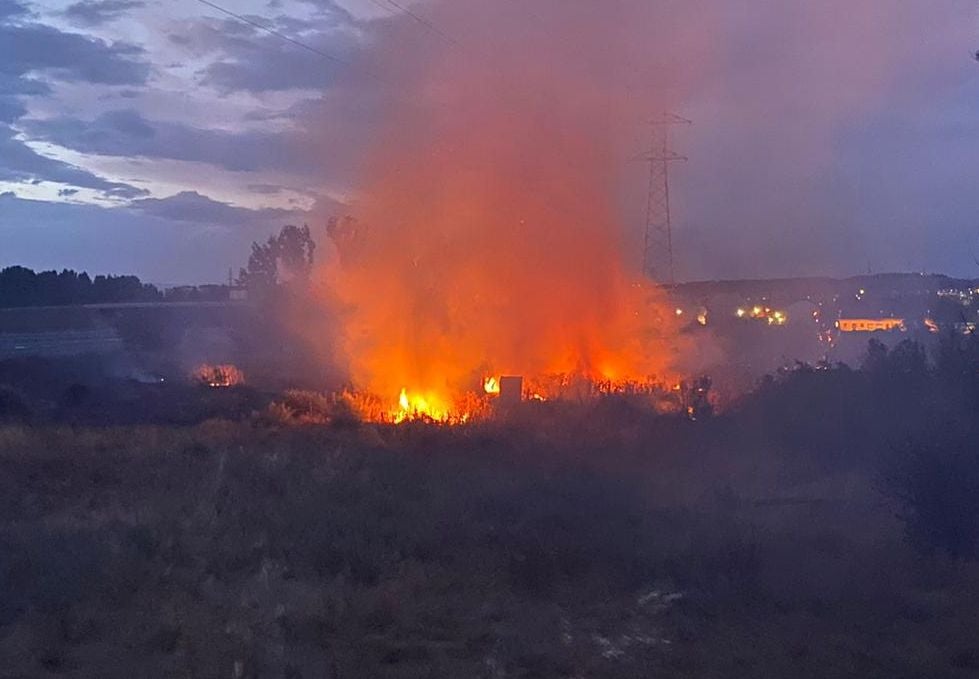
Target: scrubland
[(825, 526)]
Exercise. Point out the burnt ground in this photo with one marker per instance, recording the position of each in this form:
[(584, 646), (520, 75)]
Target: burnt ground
[(597, 543)]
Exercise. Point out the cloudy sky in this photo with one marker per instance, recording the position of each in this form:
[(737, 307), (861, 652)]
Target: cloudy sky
[(161, 137)]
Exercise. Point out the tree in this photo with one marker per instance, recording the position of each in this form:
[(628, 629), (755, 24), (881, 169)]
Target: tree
[(934, 477), (349, 236), (285, 258), (22, 287)]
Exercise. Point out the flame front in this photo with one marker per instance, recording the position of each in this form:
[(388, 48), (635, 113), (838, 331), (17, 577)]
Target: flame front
[(412, 406)]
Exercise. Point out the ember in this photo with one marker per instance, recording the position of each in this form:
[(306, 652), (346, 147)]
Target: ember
[(219, 376)]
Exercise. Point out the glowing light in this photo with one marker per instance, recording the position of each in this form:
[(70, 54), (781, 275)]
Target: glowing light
[(871, 324), (679, 312), (491, 385), (767, 314), (417, 407), (219, 376)]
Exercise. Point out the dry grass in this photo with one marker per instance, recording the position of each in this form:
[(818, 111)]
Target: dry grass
[(563, 550)]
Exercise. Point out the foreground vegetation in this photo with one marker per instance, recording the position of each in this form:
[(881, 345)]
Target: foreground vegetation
[(826, 527)]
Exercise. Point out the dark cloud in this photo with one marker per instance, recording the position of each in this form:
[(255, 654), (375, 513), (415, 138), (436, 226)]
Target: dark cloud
[(331, 10), (192, 207), (265, 189), (10, 109), (45, 235), (127, 133), (96, 12), (19, 162), (69, 56), (249, 59), (12, 89), (13, 84), (284, 69), (11, 8)]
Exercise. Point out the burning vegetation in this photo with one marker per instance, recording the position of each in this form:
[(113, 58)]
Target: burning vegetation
[(501, 252), (218, 376), (424, 353)]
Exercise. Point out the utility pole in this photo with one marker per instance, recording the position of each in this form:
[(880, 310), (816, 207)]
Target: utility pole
[(657, 254)]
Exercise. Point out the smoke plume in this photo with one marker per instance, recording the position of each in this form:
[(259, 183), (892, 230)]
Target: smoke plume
[(498, 229)]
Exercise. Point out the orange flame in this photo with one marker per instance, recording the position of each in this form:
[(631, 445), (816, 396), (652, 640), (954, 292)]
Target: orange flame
[(489, 240), (218, 376)]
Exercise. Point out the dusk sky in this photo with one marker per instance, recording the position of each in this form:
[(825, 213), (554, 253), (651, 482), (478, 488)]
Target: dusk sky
[(161, 137)]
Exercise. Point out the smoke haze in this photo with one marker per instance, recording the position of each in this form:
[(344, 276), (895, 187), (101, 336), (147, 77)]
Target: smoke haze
[(503, 215)]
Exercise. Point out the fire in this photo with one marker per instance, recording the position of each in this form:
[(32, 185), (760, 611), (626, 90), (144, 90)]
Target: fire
[(413, 406), (767, 314), (218, 376), (489, 239)]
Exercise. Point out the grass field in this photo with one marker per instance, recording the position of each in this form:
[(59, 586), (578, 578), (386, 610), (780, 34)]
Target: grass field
[(613, 545)]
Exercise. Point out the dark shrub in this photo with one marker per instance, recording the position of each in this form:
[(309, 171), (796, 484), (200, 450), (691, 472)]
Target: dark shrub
[(935, 480), (13, 405), (75, 395)]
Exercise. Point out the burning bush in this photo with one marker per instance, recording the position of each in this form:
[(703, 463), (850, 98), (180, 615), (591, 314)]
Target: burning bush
[(303, 407), (218, 376)]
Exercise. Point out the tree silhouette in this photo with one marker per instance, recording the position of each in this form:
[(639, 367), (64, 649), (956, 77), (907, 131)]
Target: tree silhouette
[(286, 257), (22, 287)]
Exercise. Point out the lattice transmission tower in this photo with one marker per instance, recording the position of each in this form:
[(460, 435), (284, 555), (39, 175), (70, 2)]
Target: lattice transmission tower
[(657, 255)]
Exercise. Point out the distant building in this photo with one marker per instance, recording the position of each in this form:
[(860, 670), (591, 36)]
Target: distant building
[(238, 294), (870, 324)]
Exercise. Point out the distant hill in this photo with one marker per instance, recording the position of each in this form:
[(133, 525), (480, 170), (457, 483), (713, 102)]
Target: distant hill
[(884, 283)]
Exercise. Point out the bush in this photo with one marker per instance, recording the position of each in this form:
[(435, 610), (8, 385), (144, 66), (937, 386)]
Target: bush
[(299, 406), (935, 481), (13, 405)]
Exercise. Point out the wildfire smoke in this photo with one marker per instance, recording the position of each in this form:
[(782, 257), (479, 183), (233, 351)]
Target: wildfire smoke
[(488, 236)]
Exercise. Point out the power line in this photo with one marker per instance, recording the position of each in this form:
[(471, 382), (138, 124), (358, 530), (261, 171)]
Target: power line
[(276, 33), (378, 3), (420, 19)]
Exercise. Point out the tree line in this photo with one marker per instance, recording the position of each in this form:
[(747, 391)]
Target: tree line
[(22, 287), (286, 259)]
